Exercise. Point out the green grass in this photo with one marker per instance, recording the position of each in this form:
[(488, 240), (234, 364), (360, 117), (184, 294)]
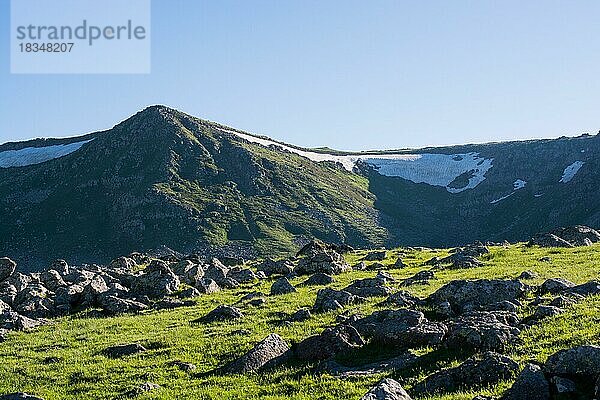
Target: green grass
[(81, 372)]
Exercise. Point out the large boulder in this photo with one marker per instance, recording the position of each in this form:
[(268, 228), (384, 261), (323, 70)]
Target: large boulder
[(578, 235), (370, 287), (318, 279), (157, 281), (466, 295), (386, 389), (329, 300), (52, 280), (113, 305), (401, 299), (7, 268), (586, 289), (207, 286), (242, 275), (35, 301), (282, 286), (555, 285), (482, 330), (490, 369), (329, 262), (221, 313), (270, 267), (403, 328), (531, 384), (269, 352), (579, 361), (332, 341), (548, 240)]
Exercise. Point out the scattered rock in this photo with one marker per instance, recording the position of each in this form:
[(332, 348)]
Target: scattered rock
[(401, 299), (531, 384), (221, 313), (370, 287), (378, 255), (301, 315), (207, 286), (464, 295), (526, 275), (7, 268), (190, 293), (386, 389), (481, 330), (185, 367), (328, 262), (555, 285), (19, 396), (318, 279), (157, 281), (282, 286), (271, 351), (123, 350), (281, 267), (548, 240), (330, 300), (581, 360), (420, 278), (331, 341), (487, 370), (586, 289), (113, 305), (563, 385), (398, 363), (143, 388), (403, 328)]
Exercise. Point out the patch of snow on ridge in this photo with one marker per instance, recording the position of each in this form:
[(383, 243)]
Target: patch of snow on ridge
[(570, 171), (432, 169), (435, 169), (37, 155), (518, 184)]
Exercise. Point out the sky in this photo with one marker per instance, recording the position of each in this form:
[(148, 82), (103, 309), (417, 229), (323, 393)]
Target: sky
[(351, 75)]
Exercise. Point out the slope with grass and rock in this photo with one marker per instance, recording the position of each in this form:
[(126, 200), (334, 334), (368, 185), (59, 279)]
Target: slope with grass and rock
[(480, 321)]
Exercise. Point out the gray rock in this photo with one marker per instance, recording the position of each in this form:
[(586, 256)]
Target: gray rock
[(35, 302), (490, 369), (548, 240), (586, 289), (207, 286), (216, 271), (123, 263), (183, 366), (114, 305), (92, 291), (318, 279), (464, 295), (243, 275), (143, 388), (332, 341), (282, 286), (563, 385), (526, 275), (545, 312), (221, 313), (330, 300), (301, 315), (271, 351), (402, 328), (399, 264), (328, 262), (369, 287), (270, 267), (401, 299), (531, 384), (157, 281), (123, 350), (190, 293), (378, 255), (420, 278), (7, 268), (579, 361), (8, 292), (578, 235), (19, 396), (386, 389), (482, 330), (555, 285), (566, 300), (398, 363), (52, 280), (169, 303)]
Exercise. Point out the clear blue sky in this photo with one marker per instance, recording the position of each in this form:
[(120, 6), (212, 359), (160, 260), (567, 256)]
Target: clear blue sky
[(345, 74)]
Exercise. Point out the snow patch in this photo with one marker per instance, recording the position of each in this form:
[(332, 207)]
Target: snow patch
[(37, 155), (518, 184), (432, 169), (570, 171)]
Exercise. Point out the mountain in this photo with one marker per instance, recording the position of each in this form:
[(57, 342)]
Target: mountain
[(164, 178)]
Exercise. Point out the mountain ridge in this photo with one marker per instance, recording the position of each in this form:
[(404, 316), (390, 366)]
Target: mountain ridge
[(163, 177)]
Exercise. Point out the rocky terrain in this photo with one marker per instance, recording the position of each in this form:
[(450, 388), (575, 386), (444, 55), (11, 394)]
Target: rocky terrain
[(165, 178), (481, 321)]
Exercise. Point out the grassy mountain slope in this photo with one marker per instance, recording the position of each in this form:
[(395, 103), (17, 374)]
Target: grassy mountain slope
[(165, 178), (63, 361)]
